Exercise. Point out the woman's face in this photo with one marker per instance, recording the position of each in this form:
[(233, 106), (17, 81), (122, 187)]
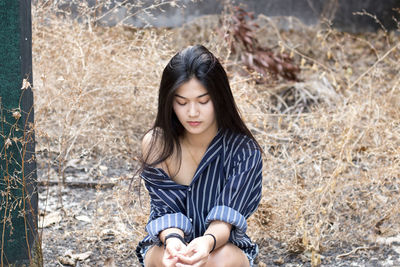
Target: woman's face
[(194, 108)]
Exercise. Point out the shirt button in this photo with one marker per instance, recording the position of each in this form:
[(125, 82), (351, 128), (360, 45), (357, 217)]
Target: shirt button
[(191, 220), (189, 189)]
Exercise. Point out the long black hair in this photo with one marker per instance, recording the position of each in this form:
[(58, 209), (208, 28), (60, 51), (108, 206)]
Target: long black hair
[(192, 62)]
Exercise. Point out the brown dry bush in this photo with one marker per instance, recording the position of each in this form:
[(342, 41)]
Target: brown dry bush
[(331, 140), (94, 85)]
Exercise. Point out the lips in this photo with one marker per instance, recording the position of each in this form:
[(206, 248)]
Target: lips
[(194, 123)]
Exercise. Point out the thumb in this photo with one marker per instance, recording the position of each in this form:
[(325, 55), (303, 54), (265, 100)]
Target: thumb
[(171, 251)]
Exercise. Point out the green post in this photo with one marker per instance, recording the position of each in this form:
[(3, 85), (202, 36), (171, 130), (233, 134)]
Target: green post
[(19, 241)]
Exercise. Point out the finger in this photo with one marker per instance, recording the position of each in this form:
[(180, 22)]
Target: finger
[(190, 259), (171, 251), (187, 254), (182, 250), (187, 251), (170, 264), (200, 263), (174, 261), (169, 261)]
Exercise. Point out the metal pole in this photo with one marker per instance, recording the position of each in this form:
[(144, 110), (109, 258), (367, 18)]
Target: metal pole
[(19, 200)]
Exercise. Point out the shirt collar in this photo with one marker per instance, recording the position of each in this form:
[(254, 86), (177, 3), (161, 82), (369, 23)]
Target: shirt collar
[(159, 178)]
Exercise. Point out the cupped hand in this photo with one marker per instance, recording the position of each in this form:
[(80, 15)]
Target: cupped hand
[(196, 253), (173, 248)]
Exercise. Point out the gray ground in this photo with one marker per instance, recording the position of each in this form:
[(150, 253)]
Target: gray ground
[(90, 231)]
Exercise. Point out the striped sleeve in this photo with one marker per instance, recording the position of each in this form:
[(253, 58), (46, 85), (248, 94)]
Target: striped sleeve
[(163, 217), (242, 192)]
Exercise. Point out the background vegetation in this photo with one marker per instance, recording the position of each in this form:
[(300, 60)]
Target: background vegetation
[(331, 135)]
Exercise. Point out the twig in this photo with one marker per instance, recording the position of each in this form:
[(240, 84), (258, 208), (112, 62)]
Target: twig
[(373, 66), (269, 135), (78, 184), (284, 43), (354, 251)]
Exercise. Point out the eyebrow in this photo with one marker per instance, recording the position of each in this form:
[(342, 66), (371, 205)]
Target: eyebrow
[(186, 98)]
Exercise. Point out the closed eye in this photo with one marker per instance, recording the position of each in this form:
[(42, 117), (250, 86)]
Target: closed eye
[(204, 99), (181, 103)]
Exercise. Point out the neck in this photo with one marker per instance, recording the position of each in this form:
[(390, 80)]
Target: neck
[(200, 140)]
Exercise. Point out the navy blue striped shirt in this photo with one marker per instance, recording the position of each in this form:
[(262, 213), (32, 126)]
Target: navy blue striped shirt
[(226, 187)]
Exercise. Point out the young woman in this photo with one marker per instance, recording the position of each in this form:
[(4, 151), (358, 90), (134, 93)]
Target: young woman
[(202, 168)]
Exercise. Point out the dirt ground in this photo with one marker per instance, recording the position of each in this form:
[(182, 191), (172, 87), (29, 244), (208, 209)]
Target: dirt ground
[(92, 228), (331, 139)]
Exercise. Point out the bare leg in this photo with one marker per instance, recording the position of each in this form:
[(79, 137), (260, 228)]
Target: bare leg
[(154, 257), (228, 255)]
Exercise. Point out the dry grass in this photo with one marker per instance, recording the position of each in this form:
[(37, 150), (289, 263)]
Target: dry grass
[(331, 142)]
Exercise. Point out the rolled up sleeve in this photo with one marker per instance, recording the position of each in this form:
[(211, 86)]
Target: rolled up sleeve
[(163, 216), (241, 194), (228, 215), (173, 220)]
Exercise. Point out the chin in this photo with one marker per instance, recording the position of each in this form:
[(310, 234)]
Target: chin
[(200, 129), (194, 131)]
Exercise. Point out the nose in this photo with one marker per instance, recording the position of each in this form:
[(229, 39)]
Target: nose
[(193, 110)]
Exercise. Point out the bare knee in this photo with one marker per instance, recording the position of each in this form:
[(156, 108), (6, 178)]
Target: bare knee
[(228, 255), (153, 257)]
